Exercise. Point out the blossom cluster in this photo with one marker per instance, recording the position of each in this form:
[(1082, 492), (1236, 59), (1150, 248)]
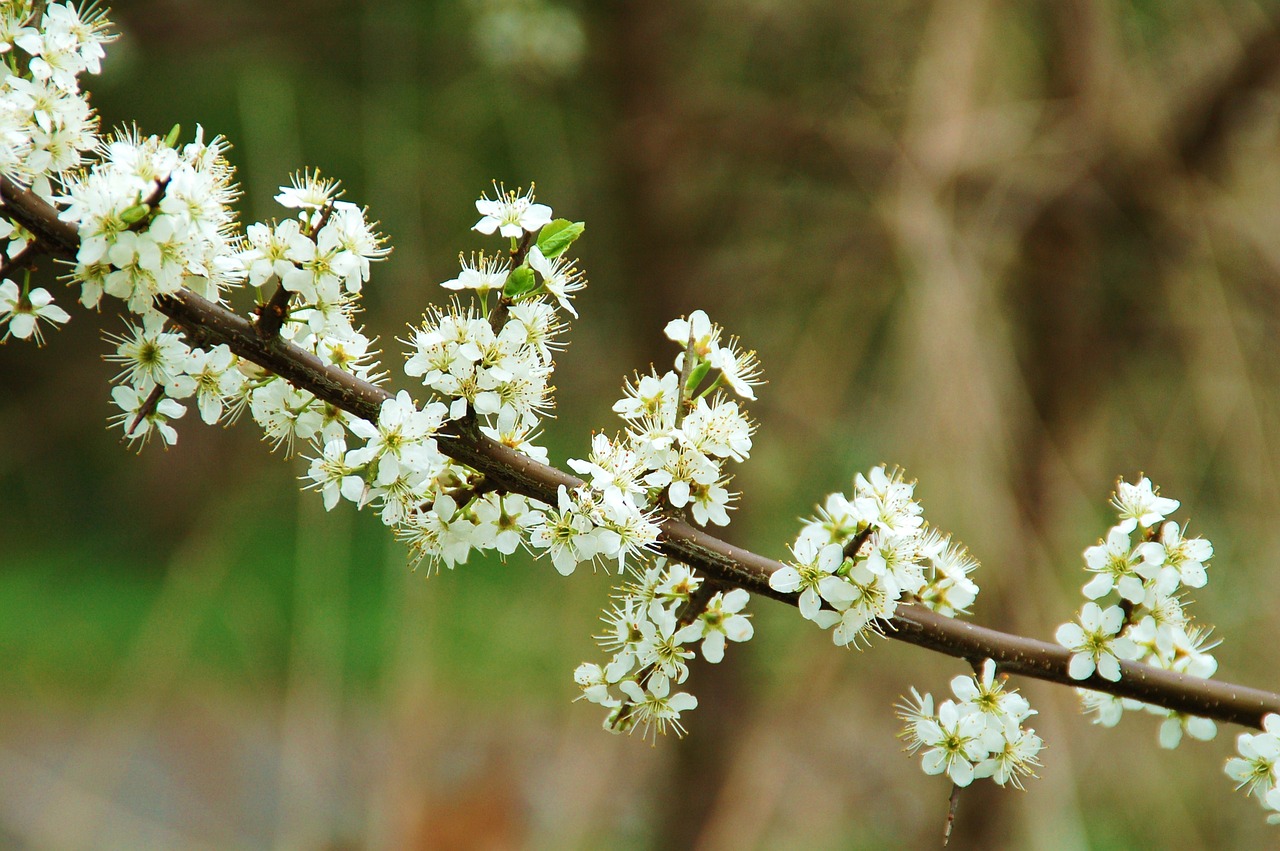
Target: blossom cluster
[(46, 123), (977, 735), (1147, 562), (682, 427), (46, 126), (657, 618), (864, 554)]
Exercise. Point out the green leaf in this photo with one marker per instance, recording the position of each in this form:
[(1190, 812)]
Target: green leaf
[(519, 282), (172, 138), (695, 377), (556, 236), (135, 214)]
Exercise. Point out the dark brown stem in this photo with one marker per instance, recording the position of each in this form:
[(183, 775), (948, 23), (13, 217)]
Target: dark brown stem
[(522, 251), (147, 408), (498, 316), (272, 315), (463, 496), (210, 324), (855, 544), (24, 259), (152, 201)]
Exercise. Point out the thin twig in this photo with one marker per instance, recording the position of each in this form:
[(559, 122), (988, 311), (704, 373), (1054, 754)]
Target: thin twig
[(953, 804)]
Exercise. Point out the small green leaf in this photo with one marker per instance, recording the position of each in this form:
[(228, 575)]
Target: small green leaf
[(519, 282), (172, 138), (695, 377), (556, 236), (135, 214)]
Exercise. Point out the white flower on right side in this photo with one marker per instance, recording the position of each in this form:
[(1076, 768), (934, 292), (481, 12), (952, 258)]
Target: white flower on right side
[(1095, 643), (1254, 770)]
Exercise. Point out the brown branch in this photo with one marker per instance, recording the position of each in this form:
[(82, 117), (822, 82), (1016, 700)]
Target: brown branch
[(498, 316), (210, 324)]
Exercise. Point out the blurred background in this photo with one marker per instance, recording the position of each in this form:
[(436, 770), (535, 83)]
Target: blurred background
[(1020, 249)]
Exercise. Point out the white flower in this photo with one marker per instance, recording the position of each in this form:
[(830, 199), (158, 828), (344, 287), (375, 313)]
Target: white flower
[(1201, 729), (153, 356), (308, 191), (739, 369), (1181, 559), (502, 521), (697, 327), (131, 402), (915, 712), (567, 533), (511, 213), (650, 396), (652, 708), (872, 598), (660, 646), (718, 429), (23, 313), (812, 574), (953, 742), (1139, 505), (595, 685), (286, 413), (403, 431), (482, 274), (560, 277), (1017, 757), (1106, 707), (335, 477), (722, 619), (1255, 769), (216, 379), (950, 590), (1113, 561), (1095, 644), (884, 500)]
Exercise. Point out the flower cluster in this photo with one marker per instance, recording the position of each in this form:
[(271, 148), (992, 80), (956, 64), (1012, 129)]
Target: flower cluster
[(656, 620), (1254, 770), (977, 735), (183, 235), (682, 427), (861, 556), (46, 126), (1146, 562), (45, 121)]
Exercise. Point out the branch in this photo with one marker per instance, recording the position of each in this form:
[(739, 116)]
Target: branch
[(211, 324)]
